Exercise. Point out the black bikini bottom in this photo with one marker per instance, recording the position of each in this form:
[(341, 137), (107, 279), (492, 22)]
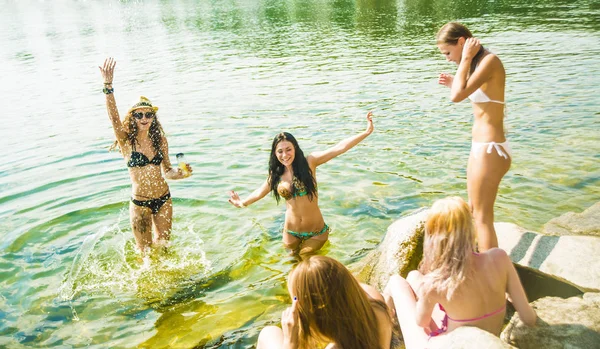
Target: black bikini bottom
[(153, 204)]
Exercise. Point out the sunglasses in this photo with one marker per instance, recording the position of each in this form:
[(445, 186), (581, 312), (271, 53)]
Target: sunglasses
[(140, 116)]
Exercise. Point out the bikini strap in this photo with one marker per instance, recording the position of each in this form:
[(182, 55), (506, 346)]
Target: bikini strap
[(481, 317)]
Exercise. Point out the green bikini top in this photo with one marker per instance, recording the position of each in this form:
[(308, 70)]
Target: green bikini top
[(299, 189)]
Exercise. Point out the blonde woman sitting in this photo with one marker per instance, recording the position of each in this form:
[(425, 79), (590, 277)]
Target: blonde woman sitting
[(455, 286), (329, 308)]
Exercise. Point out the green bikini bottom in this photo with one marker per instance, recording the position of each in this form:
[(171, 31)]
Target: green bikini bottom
[(306, 236)]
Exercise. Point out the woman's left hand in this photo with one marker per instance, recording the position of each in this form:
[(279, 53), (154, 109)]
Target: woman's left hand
[(289, 325), (188, 171), (107, 70), (370, 127), (470, 48)]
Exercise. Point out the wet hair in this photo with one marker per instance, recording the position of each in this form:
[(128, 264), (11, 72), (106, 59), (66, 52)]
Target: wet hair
[(449, 35), (332, 306), (448, 245), (155, 132), (300, 167)]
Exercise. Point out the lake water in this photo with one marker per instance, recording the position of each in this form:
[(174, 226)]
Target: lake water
[(227, 76)]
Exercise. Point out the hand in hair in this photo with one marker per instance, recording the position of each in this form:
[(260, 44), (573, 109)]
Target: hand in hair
[(289, 325), (470, 48), (446, 79)]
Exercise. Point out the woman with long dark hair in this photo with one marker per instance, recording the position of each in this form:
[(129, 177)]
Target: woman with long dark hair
[(142, 142), (481, 78), (329, 307), (292, 176)]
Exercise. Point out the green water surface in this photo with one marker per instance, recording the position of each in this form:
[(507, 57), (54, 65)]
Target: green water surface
[(227, 76)]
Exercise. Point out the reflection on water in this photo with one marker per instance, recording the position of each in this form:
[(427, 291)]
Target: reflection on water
[(228, 76)]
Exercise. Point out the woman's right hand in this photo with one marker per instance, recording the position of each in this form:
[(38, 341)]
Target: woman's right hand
[(289, 325), (107, 70), (446, 79), (235, 199)]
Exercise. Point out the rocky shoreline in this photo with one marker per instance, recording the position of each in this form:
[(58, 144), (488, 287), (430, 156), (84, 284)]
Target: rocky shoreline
[(559, 269)]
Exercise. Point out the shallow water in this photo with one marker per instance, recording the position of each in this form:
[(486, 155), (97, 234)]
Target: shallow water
[(227, 77)]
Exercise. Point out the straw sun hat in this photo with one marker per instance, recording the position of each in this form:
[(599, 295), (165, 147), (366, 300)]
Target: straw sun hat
[(143, 102)]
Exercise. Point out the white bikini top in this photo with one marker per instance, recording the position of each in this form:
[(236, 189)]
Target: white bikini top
[(480, 97)]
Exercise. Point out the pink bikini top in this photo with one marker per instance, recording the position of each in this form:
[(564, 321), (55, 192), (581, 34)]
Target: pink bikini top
[(501, 309)]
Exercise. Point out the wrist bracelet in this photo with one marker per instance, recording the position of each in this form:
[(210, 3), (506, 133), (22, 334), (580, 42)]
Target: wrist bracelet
[(242, 205), (108, 83), (108, 91)]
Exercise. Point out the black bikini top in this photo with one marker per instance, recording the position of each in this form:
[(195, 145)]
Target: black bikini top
[(138, 159)]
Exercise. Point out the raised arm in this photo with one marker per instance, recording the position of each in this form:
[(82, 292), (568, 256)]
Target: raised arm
[(320, 157), (256, 195), (170, 171), (107, 70), (517, 295), (464, 85)]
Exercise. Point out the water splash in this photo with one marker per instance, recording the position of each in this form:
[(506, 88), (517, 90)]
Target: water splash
[(108, 263)]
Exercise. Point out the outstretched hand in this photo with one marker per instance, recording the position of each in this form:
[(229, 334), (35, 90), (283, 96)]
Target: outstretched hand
[(470, 48), (446, 79), (370, 127), (107, 70), (235, 200)]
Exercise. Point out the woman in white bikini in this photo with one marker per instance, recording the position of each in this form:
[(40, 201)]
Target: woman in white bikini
[(481, 78)]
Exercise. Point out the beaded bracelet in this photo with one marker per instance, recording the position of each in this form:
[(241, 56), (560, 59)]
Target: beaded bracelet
[(108, 91)]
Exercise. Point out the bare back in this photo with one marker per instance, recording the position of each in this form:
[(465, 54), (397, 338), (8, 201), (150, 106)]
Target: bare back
[(488, 123), (483, 293)]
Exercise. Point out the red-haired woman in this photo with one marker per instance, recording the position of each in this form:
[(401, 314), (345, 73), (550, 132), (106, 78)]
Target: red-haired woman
[(329, 307)]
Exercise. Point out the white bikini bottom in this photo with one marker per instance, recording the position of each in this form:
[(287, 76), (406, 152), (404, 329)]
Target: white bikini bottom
[(503, 149)]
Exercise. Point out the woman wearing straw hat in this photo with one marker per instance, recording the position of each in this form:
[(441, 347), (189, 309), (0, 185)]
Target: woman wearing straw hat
[(143, 144)]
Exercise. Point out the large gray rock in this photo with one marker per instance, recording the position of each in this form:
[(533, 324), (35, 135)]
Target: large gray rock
[(467, 337), (572, 258), (562, 323), (535, 255), (400, 251), (585, 223)]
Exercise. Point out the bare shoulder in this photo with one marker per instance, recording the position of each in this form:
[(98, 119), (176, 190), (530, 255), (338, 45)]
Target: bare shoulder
[(498, 256), (372, 292), (430, 294), (492, 61), (496, 252), (311, 159)]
